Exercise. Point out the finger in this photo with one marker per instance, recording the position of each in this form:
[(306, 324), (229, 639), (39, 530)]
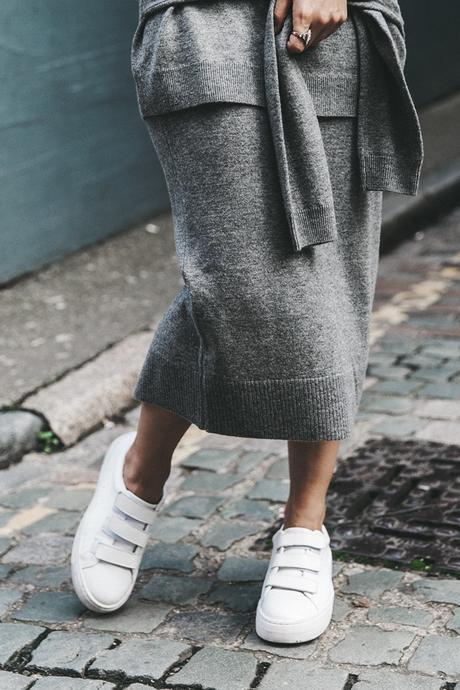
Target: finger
[(321, 33), (280, 13), (296, 44)]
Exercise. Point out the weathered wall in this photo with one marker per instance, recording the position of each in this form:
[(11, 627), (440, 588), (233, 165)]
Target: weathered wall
[(76, 163)]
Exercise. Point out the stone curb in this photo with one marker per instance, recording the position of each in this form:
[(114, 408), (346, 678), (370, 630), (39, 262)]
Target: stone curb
[(99, 389), (18, 434), (439, 192)]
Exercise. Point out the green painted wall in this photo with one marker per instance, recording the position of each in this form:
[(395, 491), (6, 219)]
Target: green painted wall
[(76, 163)]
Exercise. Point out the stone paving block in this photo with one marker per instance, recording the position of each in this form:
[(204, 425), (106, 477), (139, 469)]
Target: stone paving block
[(436, 654), (134, 617), (441, 431), (16, 636), (396, 372), (220, 669), (237, 597), (52, 577), (279, 470), (390, 404), (171, 529), (140, 659), (13, 681), (384, 679), (18, 434), (214, 459), (224, 533), (341, 609), (292, 651), (372, 583), (50, 607), (445, 349), (25, 498), (431, 374), (5, 516), (170, 557), (370, 646), (70, 499), (251, 459), (454, 622), (236, 569), (194, 506), (387, 387), (421, 361), (251, 510), (61, 521), (439, 390), (377, 357), (177, 590), (293, 674), (271, 490), (337, 568), (205, 626), (68, 651), (72, 684), (438, 409), (50, 549), (5, 544), (8, 597), (206, 482), (443, 591), (398, 426), (5, 571), (400, 615)]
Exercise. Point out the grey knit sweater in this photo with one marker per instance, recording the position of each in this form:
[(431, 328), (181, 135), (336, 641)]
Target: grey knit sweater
[(390, 147)]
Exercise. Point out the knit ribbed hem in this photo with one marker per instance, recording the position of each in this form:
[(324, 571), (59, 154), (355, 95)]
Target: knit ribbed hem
[(304, 409), (201, 82), (387, 174), (312, 225), (334, 95)]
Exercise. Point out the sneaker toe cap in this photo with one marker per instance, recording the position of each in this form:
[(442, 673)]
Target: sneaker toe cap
[(286, 606), (107, 585)]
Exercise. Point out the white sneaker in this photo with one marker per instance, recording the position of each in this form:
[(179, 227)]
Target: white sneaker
[(297, 594), (111, 537)]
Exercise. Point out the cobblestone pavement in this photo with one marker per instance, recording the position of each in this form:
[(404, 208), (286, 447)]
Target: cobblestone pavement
[(190, 621)]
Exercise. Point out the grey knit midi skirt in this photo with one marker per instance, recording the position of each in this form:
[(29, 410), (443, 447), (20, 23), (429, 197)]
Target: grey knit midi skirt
[(261, 341)]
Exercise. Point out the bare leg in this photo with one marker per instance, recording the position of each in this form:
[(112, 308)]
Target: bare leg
[(148, 461), (311, 465)]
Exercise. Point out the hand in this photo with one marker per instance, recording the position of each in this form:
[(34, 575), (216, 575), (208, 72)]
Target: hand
[(322, 16)]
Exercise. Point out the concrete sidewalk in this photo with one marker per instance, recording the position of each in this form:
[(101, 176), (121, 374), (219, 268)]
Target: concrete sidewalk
[(190, 622)]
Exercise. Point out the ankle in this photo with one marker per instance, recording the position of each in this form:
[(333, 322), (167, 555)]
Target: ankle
[(145, 477), (309, 516)]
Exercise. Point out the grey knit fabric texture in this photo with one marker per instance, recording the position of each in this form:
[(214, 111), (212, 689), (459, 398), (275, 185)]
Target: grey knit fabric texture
[(262, 340), (389, 143)]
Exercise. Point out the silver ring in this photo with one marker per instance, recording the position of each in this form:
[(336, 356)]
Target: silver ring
[(305, 36)]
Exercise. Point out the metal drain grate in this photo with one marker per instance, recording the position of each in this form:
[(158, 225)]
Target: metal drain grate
[(398, 501)]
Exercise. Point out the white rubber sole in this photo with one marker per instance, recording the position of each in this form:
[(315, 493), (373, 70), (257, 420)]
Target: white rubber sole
[(79, 585), (292, 633)]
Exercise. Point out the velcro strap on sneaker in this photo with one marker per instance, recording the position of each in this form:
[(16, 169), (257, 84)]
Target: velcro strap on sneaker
[(296, 558), (316, 540), (294, 582), (110, 554), (134, 509), (128, 532)]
